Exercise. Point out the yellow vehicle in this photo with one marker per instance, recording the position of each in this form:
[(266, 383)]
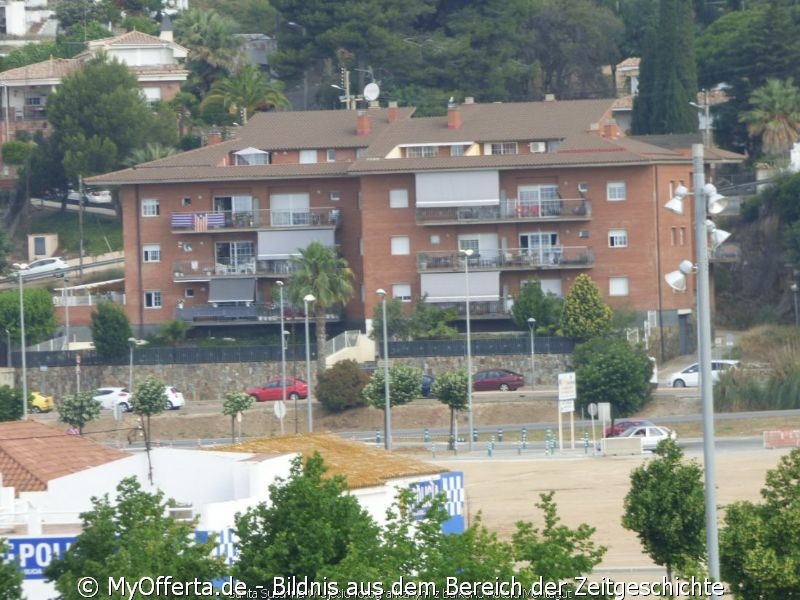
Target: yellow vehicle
[(40, 403)]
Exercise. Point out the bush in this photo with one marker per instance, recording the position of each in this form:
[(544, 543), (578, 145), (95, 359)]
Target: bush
[(10, 403), (339, 388)]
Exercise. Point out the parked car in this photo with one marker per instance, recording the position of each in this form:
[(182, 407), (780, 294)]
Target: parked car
[(99, 196), (175, 398), (625, 424), (497, 379), (111, 397), (427, 385), (273, 390), (690, 376), (39, 403), (43, 266), (650, 434)]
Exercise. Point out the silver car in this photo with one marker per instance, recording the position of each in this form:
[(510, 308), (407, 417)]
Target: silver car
[(690, 376), (650, 435)]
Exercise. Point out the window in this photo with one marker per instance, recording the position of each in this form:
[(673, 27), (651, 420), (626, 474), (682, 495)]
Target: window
[(39, 245), (151, 253), (618, 238), (436, 239), (539, 200), (402, 291), (422, 152), (188, 293), (152, 299), (289, 209), (504, 148), (186, 201), (541, 248), (398, 198), (468, 243), (457, 150), (617, 286), (308, 157), (150, 207), (235, 257), (330, 155), (615, 190), (682, 236), (252, 158), (401, 245), (335, 196)]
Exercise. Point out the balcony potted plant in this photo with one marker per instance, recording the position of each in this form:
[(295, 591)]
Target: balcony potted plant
[(423, 260)]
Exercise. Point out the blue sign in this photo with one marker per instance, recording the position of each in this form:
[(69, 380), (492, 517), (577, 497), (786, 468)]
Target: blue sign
[(33, 553)]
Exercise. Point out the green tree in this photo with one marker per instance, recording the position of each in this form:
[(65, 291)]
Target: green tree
[(110, 330), (71, 13), (757, 557), (775, 116), (173, 332), (398, 324), (40, 318), (451, 388), (665, 507), (135, 536), (149, 399), (533, 302), (236, 403), (10, 575), (585, 315), (246, 91), (321, 272), (17, 153), (339, 388), (430, 322), (612, 370), (10, 404), (309, 526), (405, 384), (150, 152), (78, 409)]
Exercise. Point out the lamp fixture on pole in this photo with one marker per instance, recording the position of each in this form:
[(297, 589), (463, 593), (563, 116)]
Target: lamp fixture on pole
[(306, 300), (387, 408), (707, 200), (283, 357), (470, 424), (532, 327), (20, 268)]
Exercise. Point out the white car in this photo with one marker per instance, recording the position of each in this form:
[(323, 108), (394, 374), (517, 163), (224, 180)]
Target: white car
[(109, 397), (650, 435), (690, 376), (175, 398), (99, 196), (43, 266)]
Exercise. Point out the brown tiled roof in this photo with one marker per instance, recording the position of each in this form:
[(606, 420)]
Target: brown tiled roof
[(361, 464), (53, 68), (32, 454), (131, 38)]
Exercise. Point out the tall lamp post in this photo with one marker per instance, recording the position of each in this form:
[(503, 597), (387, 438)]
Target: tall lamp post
[(387, 407), (65, 302), (532, 327), (707, 200), (283, 355), (306, 300), (794, 289), (467, 254), (8, 347), (21, 267), (133, 342)]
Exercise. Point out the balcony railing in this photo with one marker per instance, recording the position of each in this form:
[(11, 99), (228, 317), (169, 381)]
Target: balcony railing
[(255, 313), (513, 210), (226, 220), (198, 270), (510, 259)]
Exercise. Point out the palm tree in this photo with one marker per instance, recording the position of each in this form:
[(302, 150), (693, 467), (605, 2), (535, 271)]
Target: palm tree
[(775, 116), (320, 271), (152, 151), (244, 92)]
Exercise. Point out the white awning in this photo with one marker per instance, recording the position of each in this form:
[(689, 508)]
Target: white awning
[(232, 290), (286, 242), (452, 287), (454, 188), (250, 151)]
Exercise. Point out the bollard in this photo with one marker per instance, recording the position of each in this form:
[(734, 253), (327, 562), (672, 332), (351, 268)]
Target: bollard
[(426, 435), (519, 448), (377, 437), (585, 443), (451, 443), (548, 442), (524, 438), (490, 448), (433, 449), (499, 434), (474, 434)]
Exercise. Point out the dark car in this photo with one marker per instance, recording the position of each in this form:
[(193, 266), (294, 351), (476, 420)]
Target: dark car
[(497, 379), (273, 390), (427, 385), (621, 425)]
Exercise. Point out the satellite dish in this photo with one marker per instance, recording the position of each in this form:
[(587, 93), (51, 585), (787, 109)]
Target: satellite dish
[(371, 92)]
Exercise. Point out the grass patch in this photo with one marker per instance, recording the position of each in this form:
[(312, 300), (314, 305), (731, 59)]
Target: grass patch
[(101, 233)]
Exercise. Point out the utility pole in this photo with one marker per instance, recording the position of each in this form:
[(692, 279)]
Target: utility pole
[(80, 224)]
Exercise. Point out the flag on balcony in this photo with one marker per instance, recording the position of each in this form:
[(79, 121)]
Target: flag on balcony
[(200, 223)]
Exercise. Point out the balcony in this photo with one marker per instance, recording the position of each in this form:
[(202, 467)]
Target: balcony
[(246, 315), (197, 270), (228, 220), (508, 211), (510, 259)]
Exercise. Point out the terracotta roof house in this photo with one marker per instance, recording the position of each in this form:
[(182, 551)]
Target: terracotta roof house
[(545, 190)]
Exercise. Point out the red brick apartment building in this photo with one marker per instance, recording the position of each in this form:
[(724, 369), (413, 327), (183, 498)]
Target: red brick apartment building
[(545, 190)]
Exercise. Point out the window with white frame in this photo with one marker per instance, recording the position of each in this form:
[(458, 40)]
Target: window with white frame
[(330, 155), (188, 293), (615, 190), (402, 291), (504, 148), (150, 207), (469, 243), (152, 299), (308, 157), (401, 245), (422, 152), (151, 253), (398, 198), (458, 150), (618, 238), (617, 286)]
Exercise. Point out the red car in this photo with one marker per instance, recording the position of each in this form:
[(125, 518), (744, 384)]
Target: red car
[(623, 424), (273, 390), (497, 379)]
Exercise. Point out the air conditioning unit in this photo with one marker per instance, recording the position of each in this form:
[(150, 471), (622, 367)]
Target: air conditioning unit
[(583, 187), (538, 147)]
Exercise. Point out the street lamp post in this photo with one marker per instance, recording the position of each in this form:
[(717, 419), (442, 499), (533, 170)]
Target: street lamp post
[(387, 407), (21, 267), (132, 342), (306, 299), (794, 289), (283, 355), (467, 254), (532, 327)]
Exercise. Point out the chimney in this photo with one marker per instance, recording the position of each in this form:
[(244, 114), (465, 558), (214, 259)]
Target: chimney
[(166, 28), (453, 116), (214, 136), (394, 112), (362, 123), (611, 129)]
